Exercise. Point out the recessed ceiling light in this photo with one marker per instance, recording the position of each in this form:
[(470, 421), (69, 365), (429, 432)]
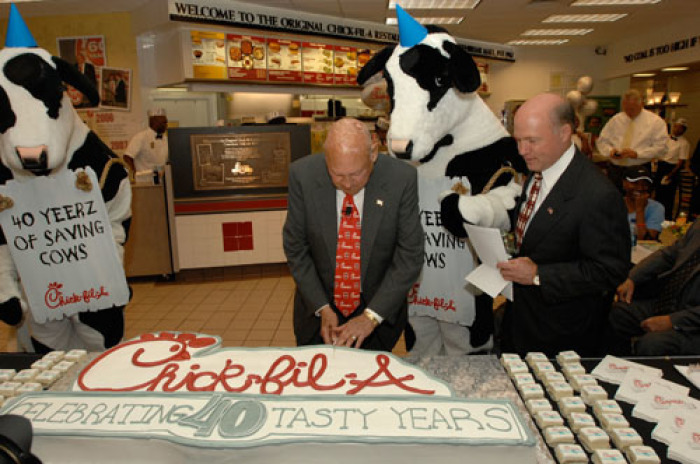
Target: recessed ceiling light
[(435, 4), (443, 20), (643, 74), (557, 32), (584, 18), (538, 42), (675, 68), (613, 2)]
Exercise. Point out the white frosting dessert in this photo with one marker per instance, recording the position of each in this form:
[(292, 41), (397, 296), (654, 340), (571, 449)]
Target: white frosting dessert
[(553, 377), (568, 453), (558, 434), (566, 357), (48, 378), (535, 357), (601, 407), (75, 355), (559, 390), (42, 364), (531, 391), (174, 397), (540, 368), (593, 438), (624, 437), (63, 366), (54, 356), (640, 454), (538, 404), (7, 374), (29, 387), (516, 367), (608, 456), (546, 419), (592, 393), (571, 369), (523, 379), (578, 420), (26, 375), (578, 381), (611, 421), (569, 404), (507, 358), (9, 388)]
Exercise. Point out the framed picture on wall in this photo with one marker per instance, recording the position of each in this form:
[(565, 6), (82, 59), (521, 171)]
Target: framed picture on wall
[(115, 89), (87, 53)]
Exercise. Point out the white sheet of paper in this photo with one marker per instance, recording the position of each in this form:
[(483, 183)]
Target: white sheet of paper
[(693, 376), (488, 244)]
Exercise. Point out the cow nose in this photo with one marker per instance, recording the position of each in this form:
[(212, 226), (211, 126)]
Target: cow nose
[(34, 159), (402, 148)]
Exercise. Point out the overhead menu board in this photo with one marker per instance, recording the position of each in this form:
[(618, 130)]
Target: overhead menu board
[(233, 161), (344, 65), (284, 60), (208, 55), (246, 57), (241, 57)]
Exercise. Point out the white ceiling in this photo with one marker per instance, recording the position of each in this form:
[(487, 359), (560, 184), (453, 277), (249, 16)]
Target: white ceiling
[(492, 20)]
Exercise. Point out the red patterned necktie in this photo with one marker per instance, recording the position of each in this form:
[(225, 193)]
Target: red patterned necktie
[(346, 291), (526, 212)]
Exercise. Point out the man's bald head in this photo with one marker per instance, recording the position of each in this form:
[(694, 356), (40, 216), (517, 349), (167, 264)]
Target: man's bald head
[(350, 155), (543, 128)]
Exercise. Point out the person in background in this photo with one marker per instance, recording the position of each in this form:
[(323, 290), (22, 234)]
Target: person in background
[(148, 149), (668, 169), (573, 238), (645, 215), (353, 241), (633, 137), (582, 140), (658, 307), (86, 68)]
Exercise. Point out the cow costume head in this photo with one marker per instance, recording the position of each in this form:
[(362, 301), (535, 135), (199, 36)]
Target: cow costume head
[(38, 125), (431, 81)]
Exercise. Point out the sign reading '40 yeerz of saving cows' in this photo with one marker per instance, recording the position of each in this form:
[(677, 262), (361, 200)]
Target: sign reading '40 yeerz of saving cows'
[(61, 242)]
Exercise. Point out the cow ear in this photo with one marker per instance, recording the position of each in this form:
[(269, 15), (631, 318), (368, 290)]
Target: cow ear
[(71, 75), (375, 65), (463, 70)]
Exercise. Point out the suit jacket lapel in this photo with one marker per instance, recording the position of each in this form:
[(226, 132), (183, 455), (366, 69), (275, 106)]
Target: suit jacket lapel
[(554, 208), (372, 210), (325, 206)]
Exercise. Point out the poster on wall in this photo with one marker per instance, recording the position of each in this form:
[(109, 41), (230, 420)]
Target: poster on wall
[(246, 57), (345, 65), (317, 63), (283, 60), (115, 89), (208, 54), (114, 128), (88, 54), (232, 161), (484, 88), (608, 106)]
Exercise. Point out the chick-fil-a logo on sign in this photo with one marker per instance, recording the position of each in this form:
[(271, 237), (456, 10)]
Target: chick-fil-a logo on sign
[(172, 362), (54, 297)]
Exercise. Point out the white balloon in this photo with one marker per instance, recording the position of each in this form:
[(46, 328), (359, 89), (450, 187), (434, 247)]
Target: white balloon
[(589, 107), (575, 98), (585, 84)]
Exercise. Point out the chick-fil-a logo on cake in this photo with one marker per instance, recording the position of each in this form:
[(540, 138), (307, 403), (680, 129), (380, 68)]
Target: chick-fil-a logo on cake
[(173, 362), (54, 297), (695, 440), (640, 385)]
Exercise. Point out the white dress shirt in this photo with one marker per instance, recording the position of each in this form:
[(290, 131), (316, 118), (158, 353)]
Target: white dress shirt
[(678, 150), (550, 176), (648, 138)]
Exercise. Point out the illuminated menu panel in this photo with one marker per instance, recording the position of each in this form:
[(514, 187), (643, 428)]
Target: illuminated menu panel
[(284, 60), (246, 57), (208, 55)]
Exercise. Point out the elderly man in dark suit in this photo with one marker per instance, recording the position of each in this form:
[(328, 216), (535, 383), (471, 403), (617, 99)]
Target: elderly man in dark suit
[(350, 198), (573, 237), (659, 304)]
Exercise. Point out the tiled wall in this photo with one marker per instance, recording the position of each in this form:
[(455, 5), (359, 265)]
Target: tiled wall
[(214, 240)]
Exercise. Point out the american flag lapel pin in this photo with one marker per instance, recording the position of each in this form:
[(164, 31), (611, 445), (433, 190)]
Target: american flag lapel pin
[(550, 210), (380, 202)]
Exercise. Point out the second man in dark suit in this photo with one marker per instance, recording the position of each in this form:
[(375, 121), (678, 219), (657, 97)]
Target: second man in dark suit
[(346, 199), (574, 239)]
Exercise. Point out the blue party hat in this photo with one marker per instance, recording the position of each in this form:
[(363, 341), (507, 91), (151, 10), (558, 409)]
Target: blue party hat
[(18, 34), (411, 32)]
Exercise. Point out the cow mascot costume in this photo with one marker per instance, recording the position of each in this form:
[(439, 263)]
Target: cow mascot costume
[(441, 124), (41, 139)]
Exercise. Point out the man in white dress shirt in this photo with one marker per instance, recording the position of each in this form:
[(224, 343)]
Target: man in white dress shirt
[(668, 172), (148, 149), (632, 137)]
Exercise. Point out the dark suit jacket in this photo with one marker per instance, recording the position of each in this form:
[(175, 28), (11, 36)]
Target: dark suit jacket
[(664, 263), (391, 247), (580, 240)]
